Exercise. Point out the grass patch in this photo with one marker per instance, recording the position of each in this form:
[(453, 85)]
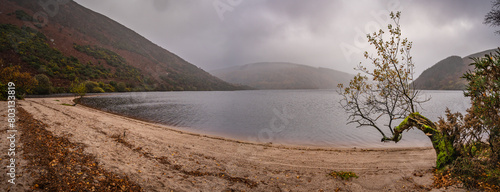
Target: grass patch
[(65, 104), (344, 175)]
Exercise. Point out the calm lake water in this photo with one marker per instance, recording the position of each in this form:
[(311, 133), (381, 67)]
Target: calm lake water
[(299, 117)]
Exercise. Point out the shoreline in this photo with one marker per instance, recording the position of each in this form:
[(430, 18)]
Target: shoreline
[(276, 145), (159, 157), (285, 145)]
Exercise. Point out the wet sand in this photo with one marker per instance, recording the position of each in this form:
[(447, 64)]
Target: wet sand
[(162, 158)]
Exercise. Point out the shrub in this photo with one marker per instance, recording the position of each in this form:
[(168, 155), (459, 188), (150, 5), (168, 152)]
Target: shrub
[(90, 85), (476, 136), (23, 81), (476, 173), (21, 15), (44, 84), (484, 91), (79, 89), (121, 87), (108, 88), (97, 90), (112, 83)]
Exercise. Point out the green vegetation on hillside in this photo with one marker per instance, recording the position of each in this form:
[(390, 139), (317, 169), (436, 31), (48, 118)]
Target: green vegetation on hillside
[(123, 71), (110, 57), (33, 49), (110, 45), (49, 63), (21, 15), (447, 73), (443, 75)]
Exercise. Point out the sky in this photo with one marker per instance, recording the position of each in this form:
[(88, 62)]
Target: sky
[(215, 34)]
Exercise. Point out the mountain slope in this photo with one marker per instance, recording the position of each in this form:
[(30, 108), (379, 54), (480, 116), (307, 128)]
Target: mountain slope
[(283, 76), (90, 46), (447, 73)]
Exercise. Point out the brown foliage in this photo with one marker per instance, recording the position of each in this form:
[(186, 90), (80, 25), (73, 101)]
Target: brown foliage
[(443, 179), (476, 136), (56, 164), (466, 133), (484, 91), (24, 82)]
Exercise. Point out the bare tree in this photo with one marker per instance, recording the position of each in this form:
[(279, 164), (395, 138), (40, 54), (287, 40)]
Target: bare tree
[(493, 17), (389, 93), (389, 96)]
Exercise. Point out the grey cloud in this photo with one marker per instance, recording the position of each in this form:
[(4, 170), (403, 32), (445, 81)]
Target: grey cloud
[(306, 32)]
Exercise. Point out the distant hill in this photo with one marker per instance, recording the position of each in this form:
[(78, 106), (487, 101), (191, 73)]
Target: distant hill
[(283, 76), (447, 73), (74, 42)]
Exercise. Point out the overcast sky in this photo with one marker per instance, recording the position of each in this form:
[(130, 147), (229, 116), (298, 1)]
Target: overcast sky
[(214, 34)]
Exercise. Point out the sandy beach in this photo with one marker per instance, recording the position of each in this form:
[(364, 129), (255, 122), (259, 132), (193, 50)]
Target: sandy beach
[(162, 158)]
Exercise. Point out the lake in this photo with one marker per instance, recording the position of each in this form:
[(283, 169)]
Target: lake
[(297, 117)]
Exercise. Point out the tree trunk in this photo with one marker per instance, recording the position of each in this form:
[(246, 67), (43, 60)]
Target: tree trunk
[(442, 143)]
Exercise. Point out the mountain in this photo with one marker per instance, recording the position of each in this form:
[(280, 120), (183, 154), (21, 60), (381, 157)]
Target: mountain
[(447, 73), (67, 42), (279, 75)]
